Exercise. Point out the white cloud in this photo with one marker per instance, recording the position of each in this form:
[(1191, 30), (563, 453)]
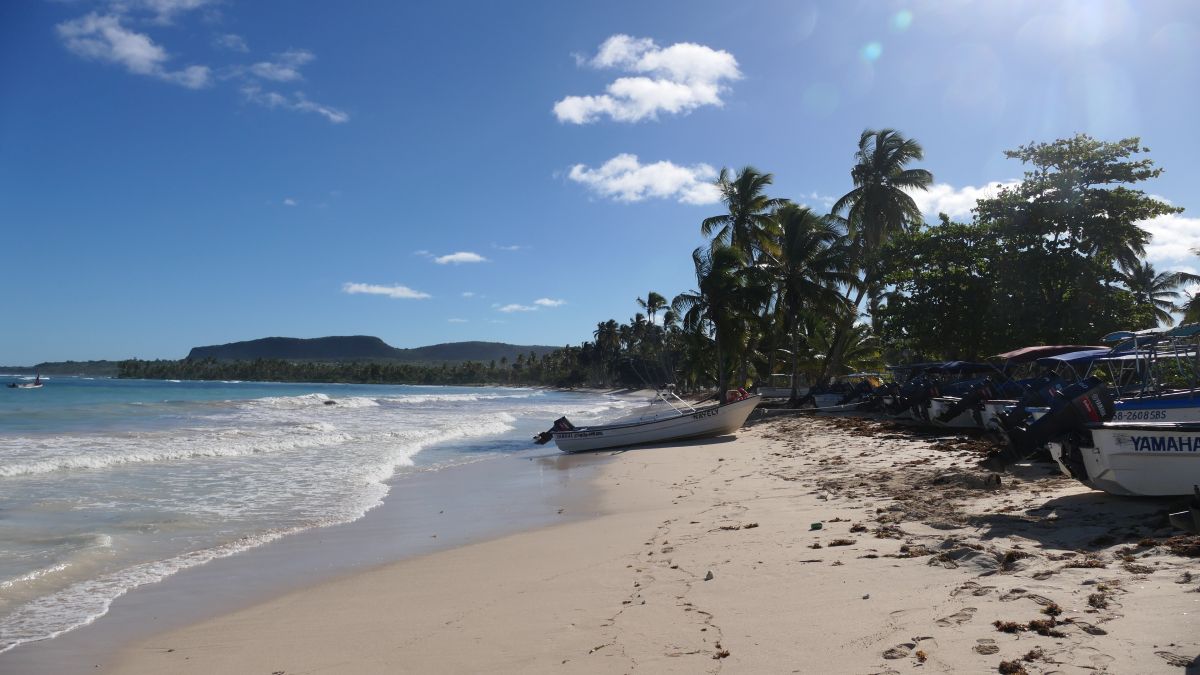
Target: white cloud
[(394, 291), (285, 67), (232, 42), (512, 247), (955, 202), (547, 302), (675, 79), (1174, 238), (164, 10), (298, 101), (459, 257), (457, 320), (103, 38), (288, 201), (509, 309), (625, 179), (468, 294)]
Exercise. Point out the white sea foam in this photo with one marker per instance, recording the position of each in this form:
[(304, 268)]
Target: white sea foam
[(101, 453), (208, 478), (7, 584)]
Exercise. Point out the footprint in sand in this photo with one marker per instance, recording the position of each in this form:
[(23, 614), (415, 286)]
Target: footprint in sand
[(1013, 594), (1039, 599), (1086, 627), (1176, 659), (972, 588), (899, 651), (986, 646), (957, 618)]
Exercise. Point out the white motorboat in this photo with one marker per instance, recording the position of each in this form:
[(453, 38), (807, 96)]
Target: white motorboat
[(1138, 459), (676, 422)]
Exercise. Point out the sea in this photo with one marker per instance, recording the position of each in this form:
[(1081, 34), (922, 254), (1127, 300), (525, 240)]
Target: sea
[(107, 484)]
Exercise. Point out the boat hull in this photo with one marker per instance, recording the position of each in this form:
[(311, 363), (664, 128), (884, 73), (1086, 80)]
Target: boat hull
[(1146, 460), (702, 423)]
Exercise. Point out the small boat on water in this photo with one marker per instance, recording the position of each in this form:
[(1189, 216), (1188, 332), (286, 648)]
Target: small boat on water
[(36, 384), (673, 420)]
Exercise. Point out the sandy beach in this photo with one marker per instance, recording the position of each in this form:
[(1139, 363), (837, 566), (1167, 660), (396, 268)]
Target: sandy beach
[(805, 545)]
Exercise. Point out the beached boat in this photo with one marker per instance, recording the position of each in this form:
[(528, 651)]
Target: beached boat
[(980, 404), (1131, 458), (675, 421)]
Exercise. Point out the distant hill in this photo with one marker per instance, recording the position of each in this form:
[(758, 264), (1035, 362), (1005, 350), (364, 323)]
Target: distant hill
[(88, 368), (361, 348)]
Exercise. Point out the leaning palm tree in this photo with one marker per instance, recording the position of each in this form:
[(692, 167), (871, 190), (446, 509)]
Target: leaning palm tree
[(747, 225), (1159, 290)]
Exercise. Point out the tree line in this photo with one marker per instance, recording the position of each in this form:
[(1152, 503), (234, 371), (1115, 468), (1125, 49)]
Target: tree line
[(1058, 258)]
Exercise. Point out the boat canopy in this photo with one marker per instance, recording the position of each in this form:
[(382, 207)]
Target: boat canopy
[(1028, 354), (1184, 331), (928, 365), (1082, 357), (965, 367)]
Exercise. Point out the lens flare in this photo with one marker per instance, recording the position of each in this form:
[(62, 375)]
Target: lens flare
[(902, 20), (871, 52)]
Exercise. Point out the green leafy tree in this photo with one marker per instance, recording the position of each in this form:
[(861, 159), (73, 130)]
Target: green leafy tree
[(1066, 230)]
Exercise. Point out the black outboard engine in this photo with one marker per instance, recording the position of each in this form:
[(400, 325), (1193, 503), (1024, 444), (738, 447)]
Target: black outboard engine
[(560, 424), (860, 390), (918, 400), (1040, 392), (972, 400), (1085, 402)]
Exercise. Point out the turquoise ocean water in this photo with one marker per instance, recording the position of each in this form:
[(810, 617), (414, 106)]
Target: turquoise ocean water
[(106, 484)]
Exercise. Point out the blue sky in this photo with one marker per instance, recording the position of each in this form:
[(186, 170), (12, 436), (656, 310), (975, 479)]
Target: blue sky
[(184, 172)]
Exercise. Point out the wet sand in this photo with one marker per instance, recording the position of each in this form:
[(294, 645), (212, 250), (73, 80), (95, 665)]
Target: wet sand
[(806, 545)]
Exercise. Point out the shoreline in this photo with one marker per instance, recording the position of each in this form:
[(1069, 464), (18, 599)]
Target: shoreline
[(702, 560), (424, 511), (808, 545)]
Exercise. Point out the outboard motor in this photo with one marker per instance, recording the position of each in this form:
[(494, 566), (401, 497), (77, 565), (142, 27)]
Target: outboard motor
[(860, 390), (972, 400), (560, 424), (918, 401), (1085, 402), (1040, 392)]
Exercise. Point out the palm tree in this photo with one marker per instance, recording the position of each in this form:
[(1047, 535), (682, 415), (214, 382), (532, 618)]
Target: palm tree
[(1191, 306), (718, 303), (1159, 290), (813, 263), (652, 304), (748, 223), (878, 205)]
